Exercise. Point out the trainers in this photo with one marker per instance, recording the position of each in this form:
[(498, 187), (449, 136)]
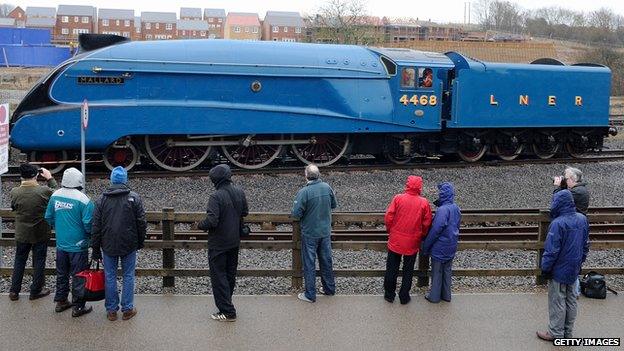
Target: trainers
[(111, 315), (13, 296), (388, 299), (302, 297), (545, 335), (129, 314), (43, 293), (77, 312), (322, 291), (222, 317), (62, 306)]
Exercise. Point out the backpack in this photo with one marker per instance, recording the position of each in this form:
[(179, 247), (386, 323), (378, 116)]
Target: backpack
[(593, 285)]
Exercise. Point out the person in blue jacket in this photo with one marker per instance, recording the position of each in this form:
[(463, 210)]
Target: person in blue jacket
[(565, 250), (69, 211), (441, 243)]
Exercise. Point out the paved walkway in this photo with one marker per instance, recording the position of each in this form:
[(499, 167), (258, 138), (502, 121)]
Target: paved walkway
[(470, 322)]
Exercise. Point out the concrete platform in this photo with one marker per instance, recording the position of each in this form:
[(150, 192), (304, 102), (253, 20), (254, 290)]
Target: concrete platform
[(470, 322)]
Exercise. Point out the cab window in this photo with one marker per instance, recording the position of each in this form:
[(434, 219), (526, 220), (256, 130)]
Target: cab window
[(408, 78), (425, 78)]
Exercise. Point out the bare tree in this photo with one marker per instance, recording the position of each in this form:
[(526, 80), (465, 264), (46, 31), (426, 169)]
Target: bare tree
[(5, 9), (482, 13), (345, 22)]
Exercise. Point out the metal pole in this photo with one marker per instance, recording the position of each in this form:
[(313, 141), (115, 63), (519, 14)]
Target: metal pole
[(82, 157)]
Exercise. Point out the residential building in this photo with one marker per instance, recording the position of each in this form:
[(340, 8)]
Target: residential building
[(283, 26), (216, 23), (192, 29), (158, 25), (116, 21), (72, 20), (7, 22), (190, 13), (19, 17), (242, 26), (41, 17), (436, 31), (401, 31)]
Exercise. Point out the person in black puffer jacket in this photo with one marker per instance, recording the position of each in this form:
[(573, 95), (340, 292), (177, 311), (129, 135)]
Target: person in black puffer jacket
[(224, 216), (119, 229)]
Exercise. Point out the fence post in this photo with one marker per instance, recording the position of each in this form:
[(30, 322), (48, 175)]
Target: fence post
[(423, 270), (297, 265), (168, 255), (542, 232)]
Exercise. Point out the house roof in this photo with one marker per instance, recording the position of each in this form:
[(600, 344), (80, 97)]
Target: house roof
[(282, 18), (214, 13), (40, 22), (75, 10), (33, 11), (7, 22), (194, 12), (192, 25), (116, 14), (164, 17), (243, 19)]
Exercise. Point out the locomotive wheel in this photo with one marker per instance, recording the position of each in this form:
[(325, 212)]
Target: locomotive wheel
[(252, 156), (507, 152), (50, 159), (394, 151), (575, 151), (323, 150), (175, 158), (126, 157), (544, 151), (472, 155)]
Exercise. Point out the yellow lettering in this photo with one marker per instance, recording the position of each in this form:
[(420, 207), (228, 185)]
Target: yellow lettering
[(414, 100), (552, 100), (578, 101), (404, 100), (524, 100), (433, 100), (424, 100), (493, 101)]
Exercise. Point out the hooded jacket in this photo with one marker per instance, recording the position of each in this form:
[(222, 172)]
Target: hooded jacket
[(408, 218), (226, 209), (313, 206), (441, 241), (119, 225), (567, 242)]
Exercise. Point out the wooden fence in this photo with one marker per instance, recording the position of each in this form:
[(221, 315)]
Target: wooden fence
[(167, 219)]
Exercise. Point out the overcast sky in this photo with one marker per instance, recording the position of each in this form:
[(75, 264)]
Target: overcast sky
[(436, 10)]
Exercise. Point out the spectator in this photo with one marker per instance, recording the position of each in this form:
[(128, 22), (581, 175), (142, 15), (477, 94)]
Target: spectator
[(441, 243), (70, 211), (565, 251), (427, 80), (572, 180), (32, 232), (408, 219), (118, 229), (224, 221), (313, 205)]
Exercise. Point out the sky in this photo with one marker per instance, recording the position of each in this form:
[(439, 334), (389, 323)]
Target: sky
[(438, 10)]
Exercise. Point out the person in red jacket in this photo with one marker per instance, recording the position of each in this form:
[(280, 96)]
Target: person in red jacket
[(408, 219)]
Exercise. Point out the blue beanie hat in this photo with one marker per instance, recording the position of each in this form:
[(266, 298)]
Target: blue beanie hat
[(119, 175)]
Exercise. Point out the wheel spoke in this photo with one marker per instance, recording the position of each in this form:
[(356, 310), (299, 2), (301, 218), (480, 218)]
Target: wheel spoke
[(175, 158)]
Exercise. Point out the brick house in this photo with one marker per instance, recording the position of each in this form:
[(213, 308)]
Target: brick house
[(192, 29), (19, 15), (242, 26), (116, 21), (216, 23), (190, 13), (7, 22), (283, 26), (158, 25), (72, 20), (41, 17)]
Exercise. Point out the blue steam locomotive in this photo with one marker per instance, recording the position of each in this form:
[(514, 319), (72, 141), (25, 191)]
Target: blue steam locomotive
[(180, 103)]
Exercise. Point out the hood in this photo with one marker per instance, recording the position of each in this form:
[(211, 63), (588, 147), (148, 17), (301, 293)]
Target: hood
[(447, 193), (72, 178), (117, 189), (562, 203), (220, 174), (413, 185)]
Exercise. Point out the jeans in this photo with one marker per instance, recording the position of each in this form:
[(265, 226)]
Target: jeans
[(39, 250), (310, 249), (223, 265), (441, 274), (128, 265), (562, 309), (68, 264), (392, 272)]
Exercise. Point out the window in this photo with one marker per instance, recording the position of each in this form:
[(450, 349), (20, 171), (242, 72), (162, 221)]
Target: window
[(137, 29), (202, 33), (211, 36), (255, 30), (64, 31), (104, 23), (183, 32), (148, 25), (157, 25), (126, 34), (285, 29), (298, 30), (117, 22), (169, 26), (194, 33), (236, 29), (220, 20), (126, 23), (246, 29), (85, 20), (65, 19), (425, 77), (275, 29), (80, 30), (76, 19), (408, 78), (148, 36), (210, 20)]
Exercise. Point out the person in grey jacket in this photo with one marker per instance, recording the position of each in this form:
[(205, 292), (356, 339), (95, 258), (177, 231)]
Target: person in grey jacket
[(572, 180)]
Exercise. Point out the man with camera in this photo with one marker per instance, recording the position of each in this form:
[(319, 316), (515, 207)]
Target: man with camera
[(571, 180)]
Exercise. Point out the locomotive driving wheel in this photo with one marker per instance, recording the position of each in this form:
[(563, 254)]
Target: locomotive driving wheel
[(508, 152), (175, 158), (395, 150), (575, 150), (50, 159), (323, 149), (472, 153), (125, 156), (545, 150), (249, 154)]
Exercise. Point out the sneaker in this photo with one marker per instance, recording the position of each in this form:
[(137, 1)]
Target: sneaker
[(13, 296), (322, 292), (302, 297), (43, 293), (129, 314), (62, 306), (405, 301), (388, 299), (77, 312), (545, 335), (222, 317), (111, 315)]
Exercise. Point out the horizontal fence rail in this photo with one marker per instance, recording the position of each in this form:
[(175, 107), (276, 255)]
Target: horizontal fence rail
[(606, 222)]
